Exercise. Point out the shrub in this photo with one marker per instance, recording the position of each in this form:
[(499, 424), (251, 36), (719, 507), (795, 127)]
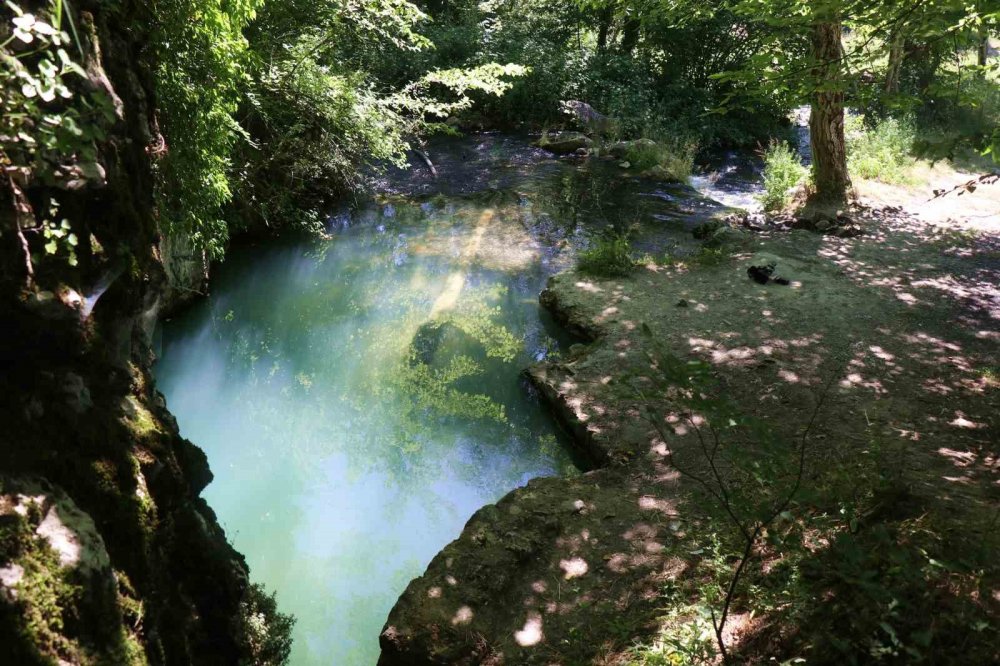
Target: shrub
[(199, 82), (673, 156), (880, 152), (782, 172), (960, 112), (266, 632), (610, 255)]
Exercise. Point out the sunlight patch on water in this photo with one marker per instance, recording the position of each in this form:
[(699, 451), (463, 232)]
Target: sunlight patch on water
[(351, 435)]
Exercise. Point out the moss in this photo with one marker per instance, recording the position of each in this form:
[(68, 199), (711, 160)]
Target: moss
[(46, 600), (140, 420), (15, 536), (105, 474), (141, 503), (133, 612)]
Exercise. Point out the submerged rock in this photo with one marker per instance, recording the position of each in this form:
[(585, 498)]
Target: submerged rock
[(434, 335)]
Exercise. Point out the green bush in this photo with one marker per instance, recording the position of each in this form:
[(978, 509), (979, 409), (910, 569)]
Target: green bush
[(610, 255), (201, 76), (673, 156), (266, 632), (880, 152), (782, 172)]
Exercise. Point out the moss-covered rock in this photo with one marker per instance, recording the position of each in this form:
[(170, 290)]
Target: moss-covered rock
[(565, 143)]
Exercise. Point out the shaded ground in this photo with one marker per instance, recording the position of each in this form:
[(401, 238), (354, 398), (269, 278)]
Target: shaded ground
[(903, 324)]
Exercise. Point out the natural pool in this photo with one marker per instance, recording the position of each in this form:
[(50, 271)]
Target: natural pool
[(359, 396)]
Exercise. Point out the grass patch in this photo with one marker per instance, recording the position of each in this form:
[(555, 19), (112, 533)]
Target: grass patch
[(881, 152), (782, 172), (674, 157), (609, 255)]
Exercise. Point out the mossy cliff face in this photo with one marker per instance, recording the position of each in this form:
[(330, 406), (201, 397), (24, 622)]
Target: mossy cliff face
[(107, 553)]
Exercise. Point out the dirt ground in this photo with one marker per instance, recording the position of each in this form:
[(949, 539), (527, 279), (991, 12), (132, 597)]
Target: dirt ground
[(892, 340)]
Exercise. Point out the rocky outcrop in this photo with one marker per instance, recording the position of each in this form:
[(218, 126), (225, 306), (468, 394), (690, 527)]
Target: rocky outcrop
[(621, 149), (541, 575), (186, 270), (528, 574), (107, 552)]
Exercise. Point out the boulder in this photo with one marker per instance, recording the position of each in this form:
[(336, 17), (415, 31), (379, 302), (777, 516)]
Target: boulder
[(587, 116), (620, 149), (565, 143)]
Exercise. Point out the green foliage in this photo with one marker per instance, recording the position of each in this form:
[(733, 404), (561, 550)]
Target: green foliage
[(609, 255), (15, 537), (657, 84), (960, 109), (200, 80), (49, 127), (672, 157), (782, 172), (317, 119), (45, 122), (266, 632), (686, 636), (880, 152)]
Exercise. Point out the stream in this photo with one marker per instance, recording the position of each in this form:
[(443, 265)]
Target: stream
[(359, 395)]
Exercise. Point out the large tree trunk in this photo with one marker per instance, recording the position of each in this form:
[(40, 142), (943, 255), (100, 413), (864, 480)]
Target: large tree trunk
[(630, 34), (897, 51), (826, 123), (604, 17)]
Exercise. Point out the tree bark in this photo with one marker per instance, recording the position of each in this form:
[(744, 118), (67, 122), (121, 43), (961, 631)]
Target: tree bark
[(605, 17), (630, 34), (897, 51), (826, 122)]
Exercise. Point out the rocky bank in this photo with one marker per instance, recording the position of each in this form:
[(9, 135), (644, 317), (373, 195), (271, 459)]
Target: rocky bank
[(598, 568), (107, 553)]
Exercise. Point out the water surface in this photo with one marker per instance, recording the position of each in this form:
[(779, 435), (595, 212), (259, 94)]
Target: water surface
[(359, 396)]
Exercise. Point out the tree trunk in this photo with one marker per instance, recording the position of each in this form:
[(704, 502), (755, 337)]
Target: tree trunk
[(826, 122), (897, 51), (630, 34), (983, 50), (605, 16)]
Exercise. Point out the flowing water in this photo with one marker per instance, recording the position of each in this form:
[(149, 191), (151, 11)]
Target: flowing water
[(359, 396)]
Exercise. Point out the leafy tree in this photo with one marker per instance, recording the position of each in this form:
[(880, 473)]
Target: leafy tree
[(807, 61), (316, 117), (201, 76)]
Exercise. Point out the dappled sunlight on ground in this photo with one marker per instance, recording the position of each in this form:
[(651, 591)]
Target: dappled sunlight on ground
[(900, 324)]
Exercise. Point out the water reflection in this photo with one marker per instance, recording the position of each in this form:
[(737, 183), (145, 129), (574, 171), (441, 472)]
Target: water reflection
[(359, 397), (344, 456)]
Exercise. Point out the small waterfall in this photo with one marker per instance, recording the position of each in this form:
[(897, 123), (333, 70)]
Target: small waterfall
[(800, 119), (101, 286)]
